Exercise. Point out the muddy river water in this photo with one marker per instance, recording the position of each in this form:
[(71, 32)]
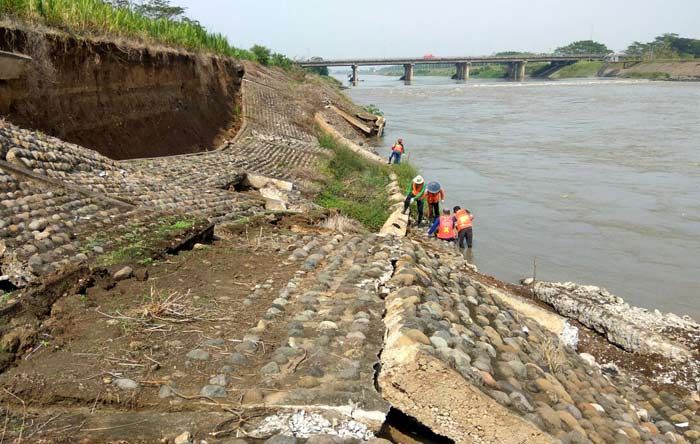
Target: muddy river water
[(597, 179)]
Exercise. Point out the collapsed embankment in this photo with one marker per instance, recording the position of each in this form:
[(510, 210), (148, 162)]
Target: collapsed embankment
[(122, 101)]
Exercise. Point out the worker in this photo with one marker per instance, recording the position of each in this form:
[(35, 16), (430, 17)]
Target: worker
[(434, 196), (463, 222), (444, 227), (415, 193), (397, 151)]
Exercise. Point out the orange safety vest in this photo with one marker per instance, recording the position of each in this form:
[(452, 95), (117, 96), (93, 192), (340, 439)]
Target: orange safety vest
[(398, 148), (435, 197), (446, 229), (417, 189), (464, 219)]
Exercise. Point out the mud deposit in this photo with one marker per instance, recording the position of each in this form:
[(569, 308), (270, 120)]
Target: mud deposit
[(122, 102)]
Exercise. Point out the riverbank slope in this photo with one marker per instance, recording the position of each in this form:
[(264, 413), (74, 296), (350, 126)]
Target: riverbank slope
[(207, 296), (681, 70)]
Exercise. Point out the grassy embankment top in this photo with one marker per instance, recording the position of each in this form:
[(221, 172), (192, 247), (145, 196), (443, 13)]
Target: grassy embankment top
[(95, 18)]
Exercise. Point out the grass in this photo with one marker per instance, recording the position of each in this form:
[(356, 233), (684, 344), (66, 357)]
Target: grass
[(355, 186), (139, 247), (406, 172), (4, 297), (93, 18), (654, 75), (332, 81), (373, 109), (489, 72), (578, 70)]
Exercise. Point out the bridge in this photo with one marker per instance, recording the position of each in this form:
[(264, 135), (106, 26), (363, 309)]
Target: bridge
[(516, 64)]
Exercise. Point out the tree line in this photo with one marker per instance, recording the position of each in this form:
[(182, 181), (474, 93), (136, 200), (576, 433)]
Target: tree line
[(665, 46)]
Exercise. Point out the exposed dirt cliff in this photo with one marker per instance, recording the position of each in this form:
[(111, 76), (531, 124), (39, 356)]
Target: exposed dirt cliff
[(123, 102)]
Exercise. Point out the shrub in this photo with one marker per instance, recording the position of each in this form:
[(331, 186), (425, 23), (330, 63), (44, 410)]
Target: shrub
[(373, 109), (262, 54)]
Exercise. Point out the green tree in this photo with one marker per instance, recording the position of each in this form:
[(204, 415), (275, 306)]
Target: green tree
[(262, 54), (583, 47), (160, 9), (280, 60), (637, 49), (666, 46), (320, 70)]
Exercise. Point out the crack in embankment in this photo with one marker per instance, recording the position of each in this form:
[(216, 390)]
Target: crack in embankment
[(383, 290), (399, 425)]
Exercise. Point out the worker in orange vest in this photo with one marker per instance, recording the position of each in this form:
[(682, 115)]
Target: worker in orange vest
[(444, 227), (434, 196), (415, 193), (397, 151), (463, 224)]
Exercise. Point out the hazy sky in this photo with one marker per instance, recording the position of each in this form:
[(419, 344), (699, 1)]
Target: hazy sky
[(378, 28)]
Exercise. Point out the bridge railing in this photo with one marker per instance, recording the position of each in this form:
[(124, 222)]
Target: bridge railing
[(467, 59)]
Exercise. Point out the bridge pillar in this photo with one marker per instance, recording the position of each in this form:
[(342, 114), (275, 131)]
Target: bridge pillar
[(408, 72), (461, 73), (355, 76), (518, 70)]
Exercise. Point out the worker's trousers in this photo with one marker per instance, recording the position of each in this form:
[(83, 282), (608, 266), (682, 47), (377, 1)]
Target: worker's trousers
[(396, 156), (433, 210), (465, 236), (419, 204)]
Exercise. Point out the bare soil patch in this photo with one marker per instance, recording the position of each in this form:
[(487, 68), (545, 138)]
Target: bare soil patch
[(143, 329)]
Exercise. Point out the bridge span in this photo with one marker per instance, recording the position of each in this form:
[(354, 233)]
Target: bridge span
[(516, 64)]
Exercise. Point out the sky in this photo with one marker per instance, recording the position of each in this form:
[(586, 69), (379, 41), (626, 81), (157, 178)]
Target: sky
[(390, 28)]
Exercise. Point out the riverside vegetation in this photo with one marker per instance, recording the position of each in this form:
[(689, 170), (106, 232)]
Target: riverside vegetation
[(355, 186), (667, 48)]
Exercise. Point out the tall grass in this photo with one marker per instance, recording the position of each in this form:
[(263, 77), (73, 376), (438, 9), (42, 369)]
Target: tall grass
[(97, 18), (355, 185)]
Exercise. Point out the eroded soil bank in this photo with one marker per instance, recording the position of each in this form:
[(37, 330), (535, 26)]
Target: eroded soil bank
[(123, 102)]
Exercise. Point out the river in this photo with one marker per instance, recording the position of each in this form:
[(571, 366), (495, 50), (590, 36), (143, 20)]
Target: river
[(599, 180)]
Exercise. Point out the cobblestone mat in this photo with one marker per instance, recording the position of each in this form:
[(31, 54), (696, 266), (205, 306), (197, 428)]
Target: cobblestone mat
[(42, 227), (315, 348), (273, 144), (442, 324), (271, 112)]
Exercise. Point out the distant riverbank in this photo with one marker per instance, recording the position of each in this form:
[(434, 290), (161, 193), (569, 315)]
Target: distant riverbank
[(678, 70), (681, 70)]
